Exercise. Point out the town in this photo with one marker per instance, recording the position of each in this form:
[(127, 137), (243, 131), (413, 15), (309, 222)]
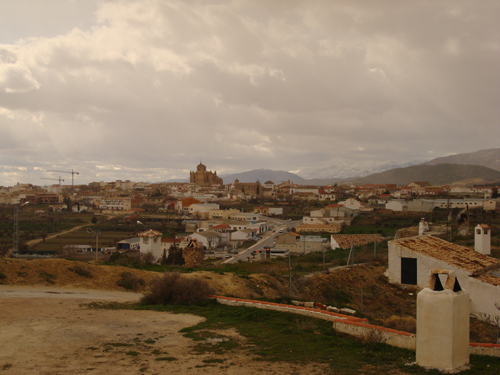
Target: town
[(402, 233)]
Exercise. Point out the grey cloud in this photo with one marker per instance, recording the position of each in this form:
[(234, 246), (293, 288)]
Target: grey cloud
[(152, 87)]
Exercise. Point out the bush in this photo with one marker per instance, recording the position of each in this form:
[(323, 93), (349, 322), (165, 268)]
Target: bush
[(82, 271), (173, 288), (148, 258), (130, 281)]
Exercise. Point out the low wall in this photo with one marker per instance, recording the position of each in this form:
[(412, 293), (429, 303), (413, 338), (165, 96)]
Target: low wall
[(352, 325)]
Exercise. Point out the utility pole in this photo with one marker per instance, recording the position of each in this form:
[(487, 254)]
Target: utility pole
[(96, 234), (290, 273)]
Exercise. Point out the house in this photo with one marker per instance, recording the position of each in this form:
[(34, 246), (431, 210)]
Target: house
[(412, 259), (345, 241), (243, 235), (150, 241), (297, 244), (115, 203), (275, 210), (207, 238), (130, 244), (397, 205), (334, 227), (221, 214), (263, 210), (351, 203), (245, 216), (202, 210), (168, 243)]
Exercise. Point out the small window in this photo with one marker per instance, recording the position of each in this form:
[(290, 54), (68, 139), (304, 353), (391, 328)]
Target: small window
[(478, 231), (486, 231)]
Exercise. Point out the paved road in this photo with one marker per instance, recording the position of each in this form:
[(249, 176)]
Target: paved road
[(267, 239)]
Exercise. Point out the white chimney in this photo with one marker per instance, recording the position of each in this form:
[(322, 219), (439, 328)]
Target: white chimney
[(482, 239), (422, 226)]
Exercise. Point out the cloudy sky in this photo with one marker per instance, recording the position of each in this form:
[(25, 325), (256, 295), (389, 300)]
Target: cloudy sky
[(143, 90)]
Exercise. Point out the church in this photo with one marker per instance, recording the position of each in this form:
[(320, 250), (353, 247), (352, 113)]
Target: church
[(203, 178)]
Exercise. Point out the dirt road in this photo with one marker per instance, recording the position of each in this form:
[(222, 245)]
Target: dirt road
[(52, 331)]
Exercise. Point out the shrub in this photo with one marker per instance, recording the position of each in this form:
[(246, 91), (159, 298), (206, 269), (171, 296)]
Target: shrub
[(2, 275), (173, 288), (373, 337), (82, 271), (130, 281), (148, 258)]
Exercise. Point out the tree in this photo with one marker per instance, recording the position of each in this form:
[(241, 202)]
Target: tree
[(493, 319), (494, 194), (4, 249), (164, 258)]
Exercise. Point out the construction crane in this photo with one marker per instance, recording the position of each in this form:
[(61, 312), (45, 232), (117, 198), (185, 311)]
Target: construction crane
[(55, 179), (72, 176)]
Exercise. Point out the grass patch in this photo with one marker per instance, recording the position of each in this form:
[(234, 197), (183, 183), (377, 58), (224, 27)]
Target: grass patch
[(274, 336), (168, 359), (132, 353)]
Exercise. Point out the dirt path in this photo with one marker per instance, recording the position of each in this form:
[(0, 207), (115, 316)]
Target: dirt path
[(52, 331), (38, 240)]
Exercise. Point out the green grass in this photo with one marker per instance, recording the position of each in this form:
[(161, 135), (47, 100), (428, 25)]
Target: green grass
[(274, 336)]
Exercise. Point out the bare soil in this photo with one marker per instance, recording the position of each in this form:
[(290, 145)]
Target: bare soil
[(50, 330)]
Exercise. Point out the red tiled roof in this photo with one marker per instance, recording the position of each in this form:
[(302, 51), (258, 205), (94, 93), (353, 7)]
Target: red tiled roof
[(345, 241), (220, 226), (455, 255)]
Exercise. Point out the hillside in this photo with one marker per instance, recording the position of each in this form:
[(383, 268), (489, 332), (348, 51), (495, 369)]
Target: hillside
[(435, 174), (263, 175), (486, 158), (352, 169)]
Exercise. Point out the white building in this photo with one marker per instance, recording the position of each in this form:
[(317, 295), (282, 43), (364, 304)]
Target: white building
[(396, 205), (150, 241), (117, 203), (351, 203), (412, 259), (275, 210), (207, 238), (242, 235)]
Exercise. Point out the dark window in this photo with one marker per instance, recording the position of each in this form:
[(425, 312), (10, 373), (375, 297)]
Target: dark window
[(409, 271)]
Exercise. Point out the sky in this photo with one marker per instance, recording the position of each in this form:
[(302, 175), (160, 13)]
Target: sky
[(144, 90)]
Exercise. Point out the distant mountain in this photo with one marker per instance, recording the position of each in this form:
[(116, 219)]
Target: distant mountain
[(263, 175), (487, 158), (352, 169), (435, 174)]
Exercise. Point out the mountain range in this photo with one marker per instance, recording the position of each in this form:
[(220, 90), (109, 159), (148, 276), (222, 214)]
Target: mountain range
[(481, 166)]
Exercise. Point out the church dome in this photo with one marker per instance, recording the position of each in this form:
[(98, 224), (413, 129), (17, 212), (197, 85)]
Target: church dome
[(201, 168)]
